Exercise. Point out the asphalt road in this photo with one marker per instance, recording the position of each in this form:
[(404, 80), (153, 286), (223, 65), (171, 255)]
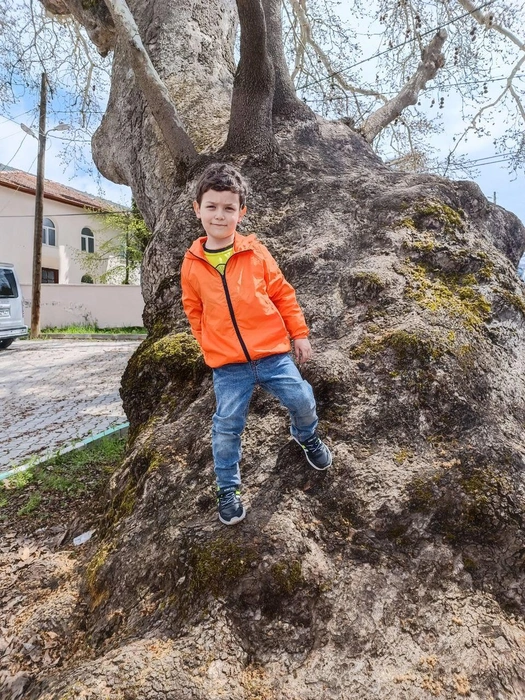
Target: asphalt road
[(56, 392)]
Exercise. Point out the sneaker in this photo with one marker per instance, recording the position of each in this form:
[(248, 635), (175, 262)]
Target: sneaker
[(316, 452), (231, 509)]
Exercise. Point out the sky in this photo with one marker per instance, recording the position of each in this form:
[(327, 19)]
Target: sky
[(19, 150), (495, 180)]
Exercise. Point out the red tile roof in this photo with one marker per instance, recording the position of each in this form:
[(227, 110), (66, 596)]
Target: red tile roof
[(25, 182)]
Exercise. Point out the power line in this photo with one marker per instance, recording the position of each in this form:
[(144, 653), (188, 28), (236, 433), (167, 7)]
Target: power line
[(9, 136), (6, 165), (397, 46), (428, 89), (17, 189), (496, 155), (494, 162), (12, 119)]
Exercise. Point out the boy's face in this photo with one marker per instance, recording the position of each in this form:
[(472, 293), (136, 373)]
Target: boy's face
[(219, 212)]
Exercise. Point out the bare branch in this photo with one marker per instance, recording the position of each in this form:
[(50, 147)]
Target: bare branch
[(518, 101), (299, 44), (155, 92), (487, 20), (285, 101), (250, 128), (432, 61), (307, 38), (94, 16), (474, 121)]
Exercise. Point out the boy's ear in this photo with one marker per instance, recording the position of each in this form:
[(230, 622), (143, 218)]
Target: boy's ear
[(197, 209), (242, 213)]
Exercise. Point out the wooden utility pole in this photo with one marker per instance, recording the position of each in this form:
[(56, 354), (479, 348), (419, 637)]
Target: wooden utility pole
[(126, 277), (39, 213)]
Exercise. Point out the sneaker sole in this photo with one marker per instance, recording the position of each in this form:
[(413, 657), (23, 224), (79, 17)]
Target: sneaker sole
[(235, 520), (319, 469)]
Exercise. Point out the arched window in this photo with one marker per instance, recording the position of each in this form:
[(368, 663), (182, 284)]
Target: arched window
[(48, 232), (87, 279), (87, 240)]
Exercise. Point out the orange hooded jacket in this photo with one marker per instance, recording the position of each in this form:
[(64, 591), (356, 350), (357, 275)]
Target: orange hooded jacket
[(248, 313)]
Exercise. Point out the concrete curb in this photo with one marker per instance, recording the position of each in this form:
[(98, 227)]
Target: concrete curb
[(93, 336), (116, 432)]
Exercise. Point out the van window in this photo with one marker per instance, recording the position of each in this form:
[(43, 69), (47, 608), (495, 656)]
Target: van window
[(8, 288)]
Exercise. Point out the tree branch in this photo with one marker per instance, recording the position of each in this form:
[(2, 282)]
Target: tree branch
[(94, 16), (285, 101), (473, 122), (250, 128), (487, 21), (432, 61), (155, 92), (306, 37)]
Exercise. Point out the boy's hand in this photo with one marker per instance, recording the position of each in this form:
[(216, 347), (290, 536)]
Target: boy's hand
[(302, 350)]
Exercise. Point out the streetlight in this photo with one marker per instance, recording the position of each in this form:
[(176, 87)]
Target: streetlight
[(58, 127), (39, 205)]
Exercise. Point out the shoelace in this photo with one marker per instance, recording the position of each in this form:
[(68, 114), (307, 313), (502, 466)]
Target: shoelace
[(228, 498), (313, 444)]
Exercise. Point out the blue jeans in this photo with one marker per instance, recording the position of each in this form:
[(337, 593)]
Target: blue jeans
[(234, 385)]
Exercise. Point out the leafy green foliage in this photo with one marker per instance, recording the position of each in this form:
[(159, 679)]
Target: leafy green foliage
[(120, 255)]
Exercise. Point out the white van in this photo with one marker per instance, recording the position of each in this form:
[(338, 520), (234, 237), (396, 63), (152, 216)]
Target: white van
[(11, 306)]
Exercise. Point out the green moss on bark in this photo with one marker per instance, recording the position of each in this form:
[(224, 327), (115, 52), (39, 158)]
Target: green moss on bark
[(406, 347), (159, 367), (469, 503), (214, 567), (287, 576), (96, 592), (514, 300), (454, 295)]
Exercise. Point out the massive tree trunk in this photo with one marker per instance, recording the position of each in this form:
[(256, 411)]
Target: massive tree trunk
[(399, 573)]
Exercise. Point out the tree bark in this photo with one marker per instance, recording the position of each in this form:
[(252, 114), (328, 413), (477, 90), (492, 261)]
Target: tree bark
[(253, 89), (153, 89), (197, 68), (432, 60), (400, 572), (285, 101), (93, 16)]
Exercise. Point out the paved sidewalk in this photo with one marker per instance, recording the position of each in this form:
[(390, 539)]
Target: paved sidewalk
[(55, 392)]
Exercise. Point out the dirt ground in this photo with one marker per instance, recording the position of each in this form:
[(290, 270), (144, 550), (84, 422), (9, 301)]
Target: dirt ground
[(40, 567)]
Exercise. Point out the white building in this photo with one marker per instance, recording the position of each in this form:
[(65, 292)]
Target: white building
[(68, 227), (71, 226)]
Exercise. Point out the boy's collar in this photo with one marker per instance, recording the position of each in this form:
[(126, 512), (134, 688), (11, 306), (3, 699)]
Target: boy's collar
[(240, 243)]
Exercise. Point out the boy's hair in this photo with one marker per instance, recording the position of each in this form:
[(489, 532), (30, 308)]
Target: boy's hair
[(222, 177)]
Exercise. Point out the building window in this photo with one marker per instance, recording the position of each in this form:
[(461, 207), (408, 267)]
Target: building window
[(49, 276), (48, 232), (87, 240), (87, 279)]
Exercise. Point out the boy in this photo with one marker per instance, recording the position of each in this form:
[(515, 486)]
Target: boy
[(243, 314)]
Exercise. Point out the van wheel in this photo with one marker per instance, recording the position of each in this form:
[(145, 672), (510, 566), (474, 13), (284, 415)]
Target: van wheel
[(6, 343)]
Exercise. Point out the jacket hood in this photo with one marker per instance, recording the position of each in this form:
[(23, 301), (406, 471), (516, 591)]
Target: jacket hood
[(240, 242)]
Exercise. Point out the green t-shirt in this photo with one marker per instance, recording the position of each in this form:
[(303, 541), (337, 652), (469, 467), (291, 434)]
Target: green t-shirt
[(219, 258)]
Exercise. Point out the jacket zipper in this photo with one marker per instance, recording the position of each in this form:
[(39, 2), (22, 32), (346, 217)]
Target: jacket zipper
[(229, 302)]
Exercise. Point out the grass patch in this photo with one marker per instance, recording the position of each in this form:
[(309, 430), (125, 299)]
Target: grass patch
[(50, 492), (80, 329), (32, 504)]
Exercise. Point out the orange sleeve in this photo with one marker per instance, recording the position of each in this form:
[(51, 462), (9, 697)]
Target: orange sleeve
[(283, 296), (191, 303)]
